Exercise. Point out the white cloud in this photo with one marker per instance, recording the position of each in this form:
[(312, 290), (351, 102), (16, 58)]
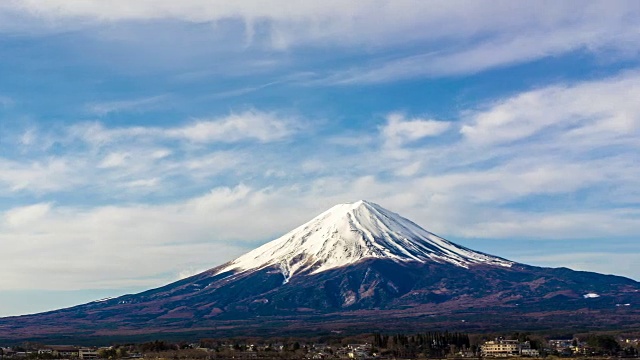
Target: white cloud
[(148, 183), (516, 179), (129, 245), (575, 224), (101, 158), (106, 164), (6, 101), (409, 170), (28, 137), (568, 111), (26, 215), (108, 242), (119, 169), (626, 263), (352, 140), (114, 159), (38, 176), (514, 149), (235, 127), (213, 163), (571, 148), (161, 154), (264, 127), (485, 34), (313, 166), (135, 105), (399, 131), (508, 48), (334, 19)]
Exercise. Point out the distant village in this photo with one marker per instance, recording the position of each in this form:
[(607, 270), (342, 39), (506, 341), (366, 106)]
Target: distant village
[(428, 345)]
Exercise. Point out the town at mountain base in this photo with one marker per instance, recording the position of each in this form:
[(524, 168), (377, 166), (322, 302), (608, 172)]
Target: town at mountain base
[(356, 267)]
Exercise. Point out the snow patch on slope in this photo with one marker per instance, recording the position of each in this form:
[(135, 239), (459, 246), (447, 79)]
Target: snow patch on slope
[(349, 233)]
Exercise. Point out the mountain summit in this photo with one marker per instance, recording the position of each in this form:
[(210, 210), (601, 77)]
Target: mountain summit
[(348, 268), (349, 233)]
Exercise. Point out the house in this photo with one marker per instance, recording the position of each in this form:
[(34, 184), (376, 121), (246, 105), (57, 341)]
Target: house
[(500, 348), (529, 352), (466, 353), (63, 351), (87, 353), (560, 344), (506, 348)]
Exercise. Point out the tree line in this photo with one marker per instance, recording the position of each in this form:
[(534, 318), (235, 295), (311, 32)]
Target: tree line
[(429, 344)]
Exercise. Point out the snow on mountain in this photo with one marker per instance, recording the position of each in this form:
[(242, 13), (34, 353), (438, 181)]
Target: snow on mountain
[(349, 233), (591, 296)]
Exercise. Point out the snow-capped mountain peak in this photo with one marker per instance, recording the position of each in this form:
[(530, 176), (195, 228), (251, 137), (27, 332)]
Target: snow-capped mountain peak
[(349, 233)]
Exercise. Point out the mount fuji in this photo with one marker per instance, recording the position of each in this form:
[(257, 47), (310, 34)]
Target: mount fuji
[(349, 233), (346, 270)]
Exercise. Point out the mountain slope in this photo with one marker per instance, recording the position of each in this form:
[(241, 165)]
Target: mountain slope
[(349, 233), (347, 268)]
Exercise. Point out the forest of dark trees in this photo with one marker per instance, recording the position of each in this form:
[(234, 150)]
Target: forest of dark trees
[(429, 344), (424, 345)]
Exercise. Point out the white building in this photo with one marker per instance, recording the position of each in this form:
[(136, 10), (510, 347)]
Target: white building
[(500, 348), (505, 348), (86, 353)]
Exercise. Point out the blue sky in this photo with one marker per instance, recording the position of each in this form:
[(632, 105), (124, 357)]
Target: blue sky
[(141, 142)]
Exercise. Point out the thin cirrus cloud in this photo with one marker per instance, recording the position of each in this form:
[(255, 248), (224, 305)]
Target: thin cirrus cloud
[(507, 49), (399, 131), (486, 34), (247, 125), (99, 156), (366, 21), (264, 127), (6, 101), (114, 159), (135, 105)]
